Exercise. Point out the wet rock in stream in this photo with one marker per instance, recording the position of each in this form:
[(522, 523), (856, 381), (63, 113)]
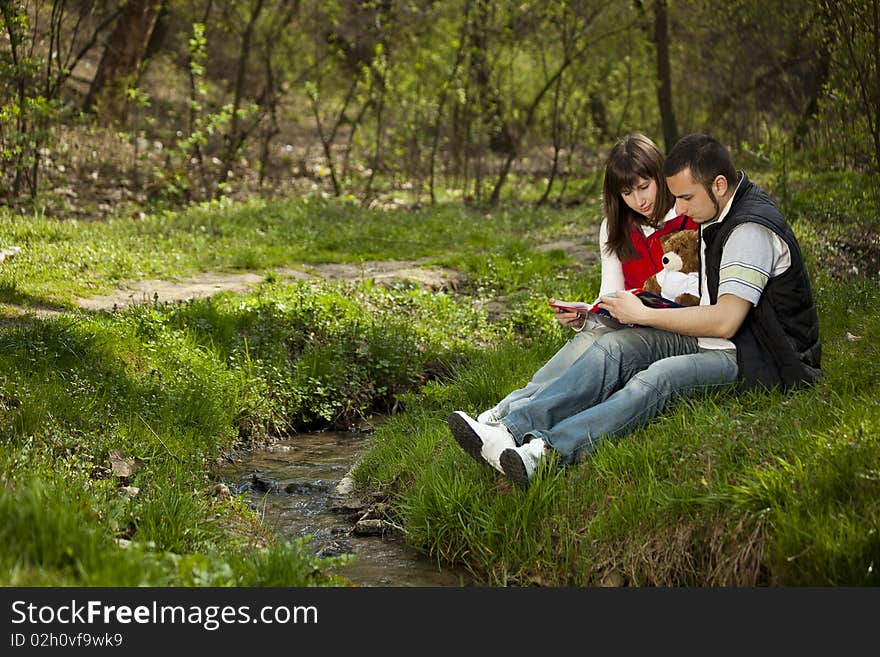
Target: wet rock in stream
[(302, 487)]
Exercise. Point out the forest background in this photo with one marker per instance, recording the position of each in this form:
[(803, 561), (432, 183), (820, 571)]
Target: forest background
[(160, 103), (160, 139)]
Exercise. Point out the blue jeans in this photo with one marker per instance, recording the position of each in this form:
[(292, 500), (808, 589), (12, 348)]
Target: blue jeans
[(552, 369), (622, 381)]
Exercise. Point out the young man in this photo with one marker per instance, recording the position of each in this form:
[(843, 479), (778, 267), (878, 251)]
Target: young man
[(756, 326)]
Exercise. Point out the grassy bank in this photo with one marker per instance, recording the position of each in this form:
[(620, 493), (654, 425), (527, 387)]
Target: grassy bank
[(111, 421), (723, 490)]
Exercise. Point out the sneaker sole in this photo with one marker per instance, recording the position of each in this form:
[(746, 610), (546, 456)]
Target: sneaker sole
[(514, 468), (466, 437)]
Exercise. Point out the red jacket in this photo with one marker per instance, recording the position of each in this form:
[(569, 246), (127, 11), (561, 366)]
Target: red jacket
[(650, 251)]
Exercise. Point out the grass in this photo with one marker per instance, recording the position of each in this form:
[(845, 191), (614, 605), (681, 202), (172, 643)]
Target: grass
[(110, 422), (169, 389), (64, 259), (724, 490)]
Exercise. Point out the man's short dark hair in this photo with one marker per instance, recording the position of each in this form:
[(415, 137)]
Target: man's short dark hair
[(705, 156)]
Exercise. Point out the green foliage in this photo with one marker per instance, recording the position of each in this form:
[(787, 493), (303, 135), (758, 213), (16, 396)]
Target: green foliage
[(722, 490), (27, 107), (426, 102)]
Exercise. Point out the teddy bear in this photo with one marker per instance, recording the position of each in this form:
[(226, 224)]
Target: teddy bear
[(679, 279)]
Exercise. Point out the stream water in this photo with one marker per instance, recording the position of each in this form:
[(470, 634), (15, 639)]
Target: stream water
[(294, 483)]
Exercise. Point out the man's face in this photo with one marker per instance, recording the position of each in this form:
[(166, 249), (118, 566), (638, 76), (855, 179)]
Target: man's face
[(691, 198)]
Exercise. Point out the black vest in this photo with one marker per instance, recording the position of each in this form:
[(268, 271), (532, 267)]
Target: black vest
[(778, 342)]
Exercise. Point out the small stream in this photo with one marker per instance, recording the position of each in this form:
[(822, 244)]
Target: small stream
[(298, 485)]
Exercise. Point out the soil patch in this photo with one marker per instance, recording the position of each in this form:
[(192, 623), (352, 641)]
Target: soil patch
[(203, 285), (585, 253), (206, 284), (384, 271)]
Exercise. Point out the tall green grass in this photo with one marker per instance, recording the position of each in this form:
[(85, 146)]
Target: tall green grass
[(171, 388), (757, 489), (722, 490)]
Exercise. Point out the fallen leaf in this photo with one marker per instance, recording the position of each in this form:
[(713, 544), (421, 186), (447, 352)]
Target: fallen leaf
[(222, 491), (613, 579), (122, 465)]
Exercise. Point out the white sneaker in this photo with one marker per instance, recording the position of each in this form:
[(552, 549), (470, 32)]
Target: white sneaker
[(484, 442), (521, 463), (492, 416)]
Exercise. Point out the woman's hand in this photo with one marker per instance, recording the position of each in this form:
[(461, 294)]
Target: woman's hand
[(570, 319)]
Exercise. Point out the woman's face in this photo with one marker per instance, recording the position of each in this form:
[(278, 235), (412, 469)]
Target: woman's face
[(642, 196)]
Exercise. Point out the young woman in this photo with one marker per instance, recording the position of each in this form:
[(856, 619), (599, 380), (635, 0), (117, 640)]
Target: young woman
[(639, 210)]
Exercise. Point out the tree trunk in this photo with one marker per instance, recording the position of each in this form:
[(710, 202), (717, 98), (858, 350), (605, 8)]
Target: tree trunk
[(664, 76), (236, 136), (822, 75), (491, 104), (529, 115), (120, 65), (441, 102)]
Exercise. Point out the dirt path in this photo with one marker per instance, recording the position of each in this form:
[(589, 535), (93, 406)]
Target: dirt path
[(151, 290), (204, 285)]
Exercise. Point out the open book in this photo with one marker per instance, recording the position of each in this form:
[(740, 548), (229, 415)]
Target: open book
[(604, 317)]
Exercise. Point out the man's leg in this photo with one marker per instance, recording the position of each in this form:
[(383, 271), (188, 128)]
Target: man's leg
[(602, 370), (644, 397)]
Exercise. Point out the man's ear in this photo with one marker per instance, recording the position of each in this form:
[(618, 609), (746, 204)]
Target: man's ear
[(720, 186)]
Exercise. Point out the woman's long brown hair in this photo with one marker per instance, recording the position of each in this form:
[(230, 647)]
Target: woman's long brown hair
[(633, 157)]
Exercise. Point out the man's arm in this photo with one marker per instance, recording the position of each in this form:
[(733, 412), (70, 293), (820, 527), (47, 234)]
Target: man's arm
[(721, 320)]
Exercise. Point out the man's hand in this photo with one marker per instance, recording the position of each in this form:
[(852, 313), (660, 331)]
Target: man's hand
[(720, 320), (625, 307)]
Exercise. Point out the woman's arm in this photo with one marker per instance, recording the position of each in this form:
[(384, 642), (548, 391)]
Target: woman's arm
[(612, 269)]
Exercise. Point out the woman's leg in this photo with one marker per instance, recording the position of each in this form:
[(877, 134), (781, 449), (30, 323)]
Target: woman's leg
[(551, 370)]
